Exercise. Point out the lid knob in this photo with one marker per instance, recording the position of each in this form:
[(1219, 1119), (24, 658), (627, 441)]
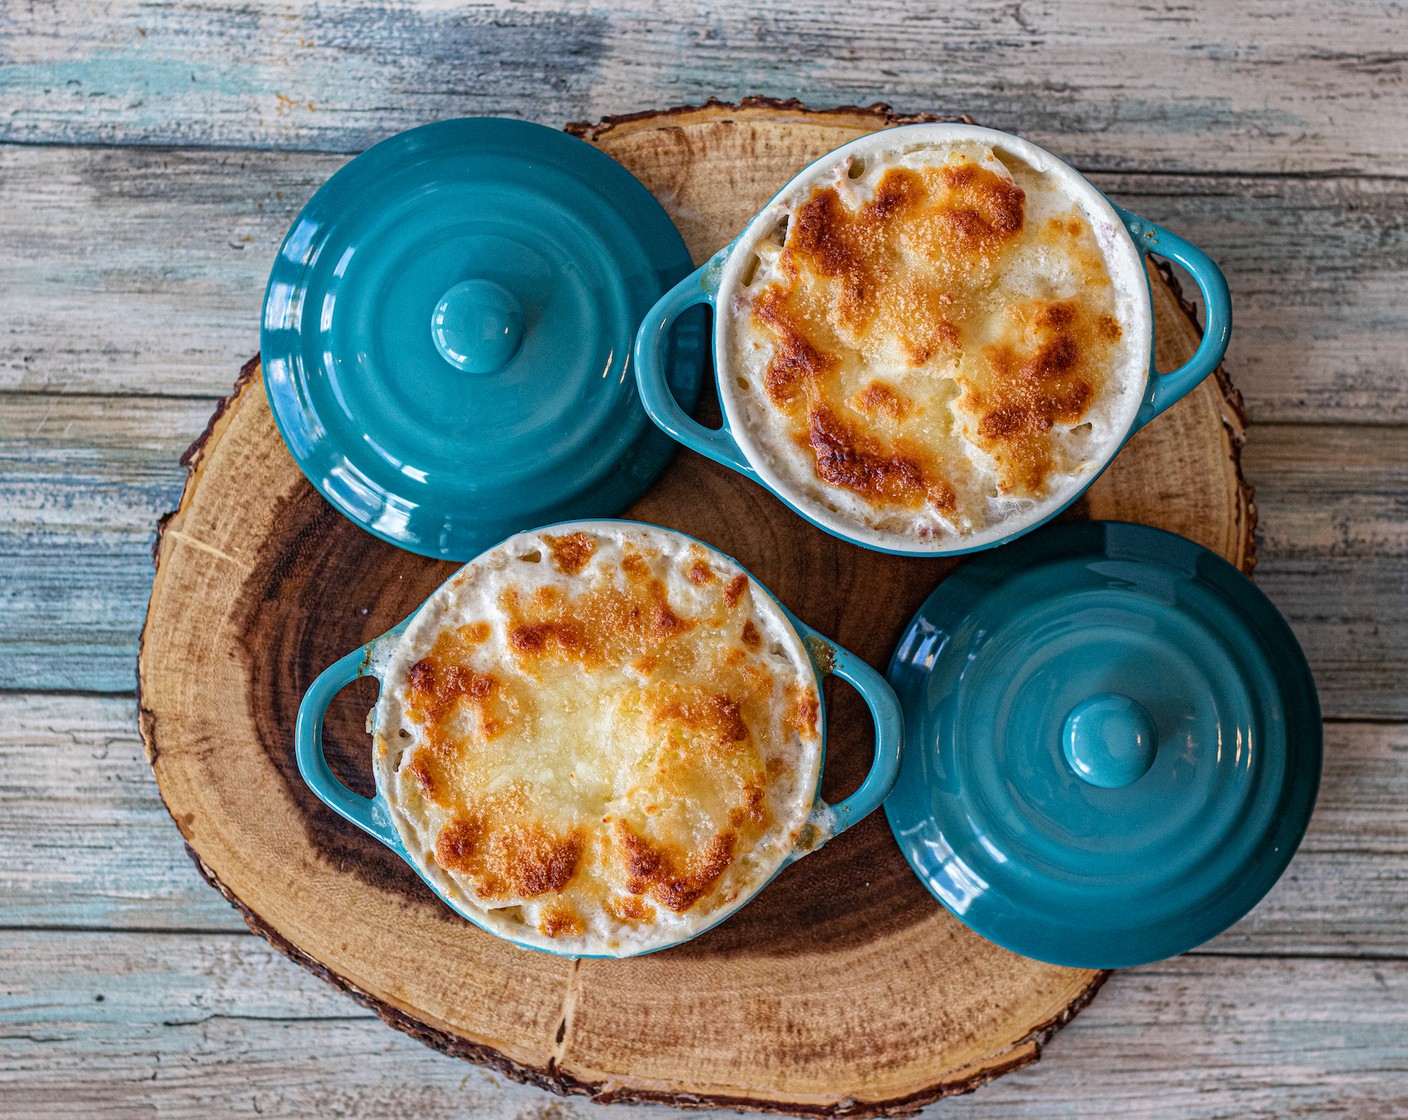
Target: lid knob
[(477, 326), (1109, 740)]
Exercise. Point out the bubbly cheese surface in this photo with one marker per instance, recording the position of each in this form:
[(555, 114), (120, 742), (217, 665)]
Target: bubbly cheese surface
[(599, 740), (929, 343)]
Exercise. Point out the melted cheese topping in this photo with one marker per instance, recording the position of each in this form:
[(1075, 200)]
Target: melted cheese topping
[(931, 342), (599, 740)]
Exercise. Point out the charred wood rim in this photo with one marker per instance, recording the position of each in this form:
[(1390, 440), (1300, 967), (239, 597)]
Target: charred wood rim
[(878, 113), (552, 1077)]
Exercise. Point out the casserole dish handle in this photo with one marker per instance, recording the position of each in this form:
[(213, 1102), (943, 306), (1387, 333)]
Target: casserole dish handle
[(700, 286), (884, 707), (1167, 388), (313, 763)]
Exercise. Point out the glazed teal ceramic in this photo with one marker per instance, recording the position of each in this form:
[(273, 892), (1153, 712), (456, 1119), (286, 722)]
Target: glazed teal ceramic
[(1113, 745), (732, 445), (373, 817), (447, 334)]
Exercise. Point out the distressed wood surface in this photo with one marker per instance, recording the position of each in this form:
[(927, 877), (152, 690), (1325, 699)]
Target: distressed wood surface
[(82, 482), (87, 841), (221, 1025), (170, 303), (125, 867), (1205, 85), (1271, 133)]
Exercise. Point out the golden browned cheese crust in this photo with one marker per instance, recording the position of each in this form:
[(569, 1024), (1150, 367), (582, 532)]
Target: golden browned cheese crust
[(911, 282), (614, 803), (1047, 371)]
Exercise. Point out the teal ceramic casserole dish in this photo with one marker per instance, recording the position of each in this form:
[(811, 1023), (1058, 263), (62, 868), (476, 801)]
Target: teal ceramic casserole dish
[(756, 451), (818, 821)]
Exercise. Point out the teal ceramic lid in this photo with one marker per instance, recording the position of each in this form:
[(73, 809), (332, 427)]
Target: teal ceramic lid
[(447, 334), (1112, 745)]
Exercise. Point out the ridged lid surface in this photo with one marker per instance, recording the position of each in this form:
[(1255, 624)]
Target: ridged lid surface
[(1112, 747), (447, 333)]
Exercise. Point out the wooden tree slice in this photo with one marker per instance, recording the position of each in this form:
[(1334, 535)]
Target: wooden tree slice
[(844, 988)]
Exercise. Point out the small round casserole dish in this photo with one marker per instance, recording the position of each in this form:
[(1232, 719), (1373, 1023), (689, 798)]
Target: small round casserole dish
[(932, 340), (599, 739)]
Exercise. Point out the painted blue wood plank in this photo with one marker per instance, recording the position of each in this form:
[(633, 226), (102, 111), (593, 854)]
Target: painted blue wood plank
[(84, 479), (171, 302), (220, 1026), (1316, 271), (142, 274), (82, 483), (1202, 85), (87, 841)]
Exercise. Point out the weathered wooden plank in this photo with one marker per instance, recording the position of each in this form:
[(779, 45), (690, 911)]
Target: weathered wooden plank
[(1351, 614), (161, 293), (89, 845), (1201, 85), (1333, 528), (83, 480), (1317, 270), (1329, 491), (87, 842), (125, 1025)]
